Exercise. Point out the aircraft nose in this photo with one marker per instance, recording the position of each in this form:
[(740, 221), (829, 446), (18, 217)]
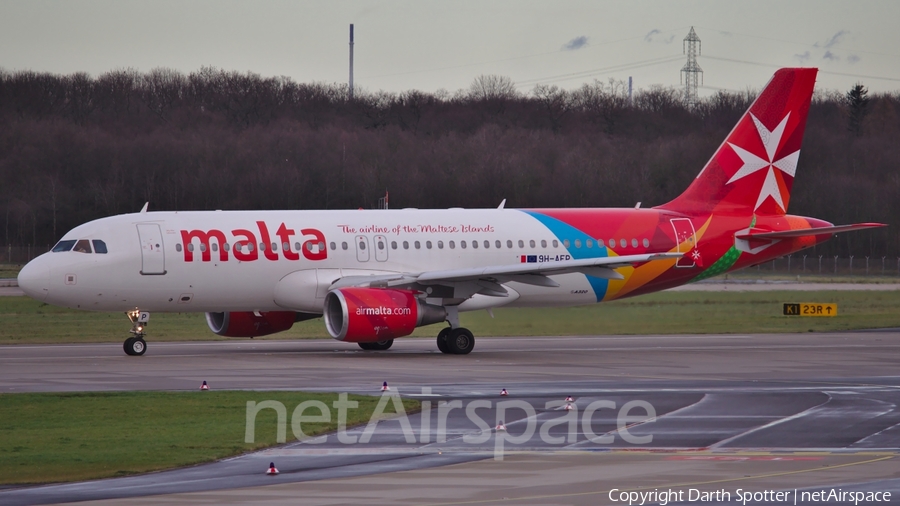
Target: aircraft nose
[(34, 279)]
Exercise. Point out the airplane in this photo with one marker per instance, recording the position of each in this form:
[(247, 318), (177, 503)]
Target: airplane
[(376, 275)]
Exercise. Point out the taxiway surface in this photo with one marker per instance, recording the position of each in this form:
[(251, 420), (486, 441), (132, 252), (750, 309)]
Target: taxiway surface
[(774, 410), (411, 363)]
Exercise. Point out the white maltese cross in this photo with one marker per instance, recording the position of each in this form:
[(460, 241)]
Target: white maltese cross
[(753, 163)]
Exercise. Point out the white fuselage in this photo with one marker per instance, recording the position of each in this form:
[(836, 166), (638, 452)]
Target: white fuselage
[(160, 261)]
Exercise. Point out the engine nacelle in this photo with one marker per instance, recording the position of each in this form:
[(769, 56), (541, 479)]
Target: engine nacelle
[(365, 315), (250, 324)]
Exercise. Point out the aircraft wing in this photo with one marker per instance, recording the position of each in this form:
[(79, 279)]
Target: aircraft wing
[(532, 273), (600, 267), (809, 231)]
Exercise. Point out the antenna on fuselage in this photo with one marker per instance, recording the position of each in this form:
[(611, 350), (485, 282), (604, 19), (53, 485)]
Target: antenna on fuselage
[(502, 204), (146, 205)]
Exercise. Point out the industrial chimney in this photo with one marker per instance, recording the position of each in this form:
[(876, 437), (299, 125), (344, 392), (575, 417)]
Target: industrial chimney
[(351, 60)]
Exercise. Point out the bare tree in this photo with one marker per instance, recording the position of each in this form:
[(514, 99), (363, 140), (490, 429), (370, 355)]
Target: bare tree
[(492, 87), (161, 88), (555, 101), (74, 148)]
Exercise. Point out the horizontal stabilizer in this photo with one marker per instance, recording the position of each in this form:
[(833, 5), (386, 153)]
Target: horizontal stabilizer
[(805, 232)]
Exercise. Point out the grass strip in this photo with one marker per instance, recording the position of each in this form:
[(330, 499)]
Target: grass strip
[(695, 313), (53, 437), (23, 320), (10, 270)]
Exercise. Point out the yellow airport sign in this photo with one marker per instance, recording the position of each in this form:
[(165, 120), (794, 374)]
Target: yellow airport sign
[(810, 309)]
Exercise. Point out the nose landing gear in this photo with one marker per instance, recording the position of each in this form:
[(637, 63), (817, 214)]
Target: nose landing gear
[(139, 320)]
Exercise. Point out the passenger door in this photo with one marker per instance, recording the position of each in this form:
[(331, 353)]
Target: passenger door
[(685, 241), (153, 256), (381, 248), (362, 248)]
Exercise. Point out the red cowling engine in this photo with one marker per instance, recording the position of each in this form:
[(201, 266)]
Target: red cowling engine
[(365, 315), (250, 324)]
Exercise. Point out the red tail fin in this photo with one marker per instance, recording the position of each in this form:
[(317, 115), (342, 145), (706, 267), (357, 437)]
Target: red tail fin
[(753, 170)]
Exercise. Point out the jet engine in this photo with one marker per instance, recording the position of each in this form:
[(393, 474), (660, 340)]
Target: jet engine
[(250, 324), (367, 315)]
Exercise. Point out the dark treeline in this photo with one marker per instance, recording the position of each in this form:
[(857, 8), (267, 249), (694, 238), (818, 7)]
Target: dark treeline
[(75, 147)]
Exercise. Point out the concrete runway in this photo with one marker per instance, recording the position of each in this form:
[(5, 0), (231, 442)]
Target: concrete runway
[(775, 411)]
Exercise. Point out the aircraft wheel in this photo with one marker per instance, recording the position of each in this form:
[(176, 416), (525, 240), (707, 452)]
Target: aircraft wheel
[(381, 345), (135, 346), (377, 346), (442, 340), (460, 341)]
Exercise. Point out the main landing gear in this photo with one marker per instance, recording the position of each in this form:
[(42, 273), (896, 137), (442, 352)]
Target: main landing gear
[(377, 345), (455, 340), (458, 341), (136, 345)]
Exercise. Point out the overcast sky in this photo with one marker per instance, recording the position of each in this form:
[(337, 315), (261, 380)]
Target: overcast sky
[(429, 45)]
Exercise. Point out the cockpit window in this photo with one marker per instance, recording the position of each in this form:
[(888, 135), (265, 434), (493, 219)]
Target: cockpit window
[(99, 246), (63, 246), (83, 246)]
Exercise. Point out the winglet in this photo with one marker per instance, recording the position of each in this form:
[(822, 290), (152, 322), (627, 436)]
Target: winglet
[(146, 205)]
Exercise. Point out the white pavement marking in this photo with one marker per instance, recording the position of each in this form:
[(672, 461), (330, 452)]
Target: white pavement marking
[(771, 424)]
